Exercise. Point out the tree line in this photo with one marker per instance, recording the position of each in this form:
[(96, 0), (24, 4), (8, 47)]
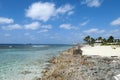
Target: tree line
[(111, 40)]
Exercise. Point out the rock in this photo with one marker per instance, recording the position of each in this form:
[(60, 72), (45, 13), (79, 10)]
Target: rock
[(109, 76), (114, 56), (37, 78), (77, 51), (74, 66)]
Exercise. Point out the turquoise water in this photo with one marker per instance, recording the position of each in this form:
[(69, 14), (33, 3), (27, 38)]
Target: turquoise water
[(25, 62)]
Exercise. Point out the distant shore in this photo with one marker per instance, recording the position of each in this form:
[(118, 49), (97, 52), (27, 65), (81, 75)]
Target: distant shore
[(94, 64)]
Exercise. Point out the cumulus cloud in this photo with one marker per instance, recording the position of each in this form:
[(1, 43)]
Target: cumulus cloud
[(32, 26), (40, 11), (92, 3), (12, 27), (37, 25), (84, 23), (4, 20), (67, 26), (94, 30), (45, 10), (116, 22)]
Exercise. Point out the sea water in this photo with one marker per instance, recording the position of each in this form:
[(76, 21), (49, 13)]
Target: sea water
[(26, 62)]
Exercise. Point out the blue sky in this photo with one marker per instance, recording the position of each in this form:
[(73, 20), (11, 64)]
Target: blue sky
[(57, 21)]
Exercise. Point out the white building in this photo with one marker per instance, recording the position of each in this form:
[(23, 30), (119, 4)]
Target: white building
[(98, 42)]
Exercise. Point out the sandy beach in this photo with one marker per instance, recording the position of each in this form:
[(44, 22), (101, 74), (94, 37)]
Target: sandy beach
[(101, 50)]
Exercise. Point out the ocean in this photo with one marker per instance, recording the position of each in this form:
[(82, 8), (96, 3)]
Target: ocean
[(26, 62)]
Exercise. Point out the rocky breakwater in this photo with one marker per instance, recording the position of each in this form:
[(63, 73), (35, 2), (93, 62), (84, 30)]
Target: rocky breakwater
[(72, 65)]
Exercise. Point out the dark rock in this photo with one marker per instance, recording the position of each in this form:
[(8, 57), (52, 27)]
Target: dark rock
[(114, 56), (38, 79), (77, 51)]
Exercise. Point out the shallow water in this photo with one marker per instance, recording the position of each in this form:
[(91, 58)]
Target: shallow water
[(25, 62)]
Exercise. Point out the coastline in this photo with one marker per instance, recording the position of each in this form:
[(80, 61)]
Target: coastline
[(69, 66)]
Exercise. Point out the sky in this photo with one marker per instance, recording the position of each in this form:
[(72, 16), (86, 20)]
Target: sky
[(57, 21)]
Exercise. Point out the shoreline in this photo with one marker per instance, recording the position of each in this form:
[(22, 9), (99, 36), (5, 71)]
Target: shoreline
[(69, 66)]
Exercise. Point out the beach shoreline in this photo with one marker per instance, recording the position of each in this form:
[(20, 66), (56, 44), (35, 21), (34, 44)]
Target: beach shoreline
[(69, 66)]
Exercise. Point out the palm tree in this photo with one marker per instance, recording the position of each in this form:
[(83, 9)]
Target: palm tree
[(110, 39), (87, 39), (92, 40), (119, 40), (104, 40), (99, 38)]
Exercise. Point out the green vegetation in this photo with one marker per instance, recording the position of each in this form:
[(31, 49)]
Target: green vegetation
[(92, 40), (103, 41), (110, 39), (87, 39)]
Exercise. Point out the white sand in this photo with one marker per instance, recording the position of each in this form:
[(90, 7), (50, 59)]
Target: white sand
[(101, 50)]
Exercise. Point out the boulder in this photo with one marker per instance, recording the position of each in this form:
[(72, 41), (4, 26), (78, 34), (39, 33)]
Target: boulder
[(77, 52)]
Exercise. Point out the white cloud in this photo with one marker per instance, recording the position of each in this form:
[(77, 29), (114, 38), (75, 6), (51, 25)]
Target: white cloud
[(32, 26), (94, 30), (4, 20), (12, 27), (64, 9), (116, 22), (71, 12), (46, 26), (37, 25), (40, 11), (67, 26), (92, 3), (44, 11), (84, 23)]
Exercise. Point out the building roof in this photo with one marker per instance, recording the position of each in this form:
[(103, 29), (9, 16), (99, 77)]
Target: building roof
[(98, 41)]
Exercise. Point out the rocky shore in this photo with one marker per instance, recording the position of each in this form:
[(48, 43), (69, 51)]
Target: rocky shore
[(72, 65)]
